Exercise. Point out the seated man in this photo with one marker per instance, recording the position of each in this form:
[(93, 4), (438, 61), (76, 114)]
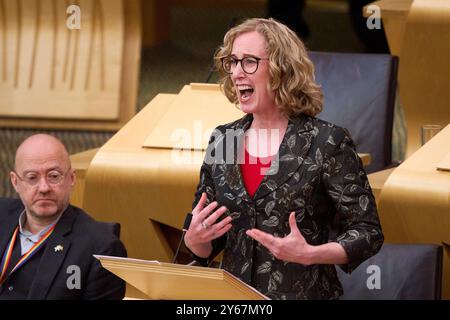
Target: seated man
[(46, 245)]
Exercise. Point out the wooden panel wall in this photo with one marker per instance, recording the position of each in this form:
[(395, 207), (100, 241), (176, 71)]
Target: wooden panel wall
[(50, 71)]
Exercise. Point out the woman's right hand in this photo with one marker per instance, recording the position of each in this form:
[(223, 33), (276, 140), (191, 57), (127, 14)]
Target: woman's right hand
[(204, 228)]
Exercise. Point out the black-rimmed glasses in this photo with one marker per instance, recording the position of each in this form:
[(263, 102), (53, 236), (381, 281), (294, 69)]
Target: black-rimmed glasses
[(248, 64)]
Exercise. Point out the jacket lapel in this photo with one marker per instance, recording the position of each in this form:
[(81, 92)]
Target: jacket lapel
[(9, 225), (291, 154), (53, 258), (293, 149), (6, 236), (242, 126)]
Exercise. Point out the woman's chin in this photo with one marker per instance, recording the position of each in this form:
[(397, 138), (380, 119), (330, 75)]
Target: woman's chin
[(247, 108)]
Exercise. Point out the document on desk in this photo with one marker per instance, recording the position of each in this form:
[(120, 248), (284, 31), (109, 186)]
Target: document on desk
[(121, 259)]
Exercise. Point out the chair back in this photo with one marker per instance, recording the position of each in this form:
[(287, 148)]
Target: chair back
[(359, 92), (397, 272)]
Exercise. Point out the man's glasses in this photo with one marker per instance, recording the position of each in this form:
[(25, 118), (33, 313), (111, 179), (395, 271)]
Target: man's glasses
[(248, 64), (53, 177)]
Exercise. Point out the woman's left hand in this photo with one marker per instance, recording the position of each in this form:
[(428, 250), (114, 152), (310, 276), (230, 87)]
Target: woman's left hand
[(292, 248)]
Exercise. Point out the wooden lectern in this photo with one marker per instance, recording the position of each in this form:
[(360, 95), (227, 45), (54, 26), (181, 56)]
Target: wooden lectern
[(169, 281)]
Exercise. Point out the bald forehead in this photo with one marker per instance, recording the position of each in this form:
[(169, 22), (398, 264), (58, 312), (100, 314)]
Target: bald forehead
[(42, 148)]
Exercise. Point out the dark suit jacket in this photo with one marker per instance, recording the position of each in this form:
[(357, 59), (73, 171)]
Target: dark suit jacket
[(318, 175), (81, 237)]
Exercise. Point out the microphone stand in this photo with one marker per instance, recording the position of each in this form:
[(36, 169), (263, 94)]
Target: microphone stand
[(187, 223)]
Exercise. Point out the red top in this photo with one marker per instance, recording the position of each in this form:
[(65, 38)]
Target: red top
[(253, 171)]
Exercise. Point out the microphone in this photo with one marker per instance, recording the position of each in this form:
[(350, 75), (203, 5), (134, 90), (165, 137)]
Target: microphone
[(187, 223)]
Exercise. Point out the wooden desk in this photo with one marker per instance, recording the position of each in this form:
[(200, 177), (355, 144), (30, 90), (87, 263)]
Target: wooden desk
[(365, 158), (80, 162), (377, 181), (414, 204)]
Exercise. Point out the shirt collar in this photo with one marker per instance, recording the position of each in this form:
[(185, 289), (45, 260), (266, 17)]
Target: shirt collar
[(37, 236)]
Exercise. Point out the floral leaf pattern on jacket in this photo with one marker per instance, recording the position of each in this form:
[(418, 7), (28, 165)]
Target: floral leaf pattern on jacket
[(318, 175)]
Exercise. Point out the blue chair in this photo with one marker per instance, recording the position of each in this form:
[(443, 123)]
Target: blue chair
[(397, 272), (359, 94)]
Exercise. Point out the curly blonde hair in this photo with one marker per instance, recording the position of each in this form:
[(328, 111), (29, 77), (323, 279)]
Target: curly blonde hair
[(290, 69)]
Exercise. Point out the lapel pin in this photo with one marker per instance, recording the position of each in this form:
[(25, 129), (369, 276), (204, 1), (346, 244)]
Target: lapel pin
[(59, 248)]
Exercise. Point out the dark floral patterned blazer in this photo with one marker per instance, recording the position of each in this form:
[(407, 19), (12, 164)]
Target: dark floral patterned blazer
[(317, 174)]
